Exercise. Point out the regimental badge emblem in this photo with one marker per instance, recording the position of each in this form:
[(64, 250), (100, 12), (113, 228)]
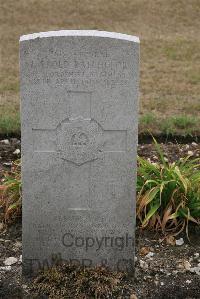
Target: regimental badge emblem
[(79, 140)]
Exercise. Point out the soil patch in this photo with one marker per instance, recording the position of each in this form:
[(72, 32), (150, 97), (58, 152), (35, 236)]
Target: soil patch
[(162, 274), (163, 269)]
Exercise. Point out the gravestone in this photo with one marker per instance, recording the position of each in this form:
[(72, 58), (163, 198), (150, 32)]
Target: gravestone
[(79, 110)]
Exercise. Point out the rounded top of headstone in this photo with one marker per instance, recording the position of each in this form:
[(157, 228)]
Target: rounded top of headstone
[(92, 33)]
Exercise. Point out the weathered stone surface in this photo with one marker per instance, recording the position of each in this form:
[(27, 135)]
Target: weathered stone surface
[(79, 109)]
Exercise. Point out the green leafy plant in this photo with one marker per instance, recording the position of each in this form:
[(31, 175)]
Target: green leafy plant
[(10, 194), (148, 119), (182, 124), (168, 193), (184, 121)]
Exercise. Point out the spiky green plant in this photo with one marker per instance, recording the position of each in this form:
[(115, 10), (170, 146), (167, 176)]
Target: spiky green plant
[(10, 194), (168, 193)]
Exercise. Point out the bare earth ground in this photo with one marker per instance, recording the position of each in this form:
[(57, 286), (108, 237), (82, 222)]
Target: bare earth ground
[(170, 52), (164, 274)]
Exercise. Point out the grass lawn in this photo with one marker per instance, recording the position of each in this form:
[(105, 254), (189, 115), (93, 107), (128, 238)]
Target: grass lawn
[(170, 53)]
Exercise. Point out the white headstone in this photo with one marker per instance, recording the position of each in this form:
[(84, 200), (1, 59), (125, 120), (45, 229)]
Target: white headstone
[(79, 111)]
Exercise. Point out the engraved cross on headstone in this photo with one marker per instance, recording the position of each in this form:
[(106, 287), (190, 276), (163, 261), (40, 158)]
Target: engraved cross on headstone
[(79, 138)]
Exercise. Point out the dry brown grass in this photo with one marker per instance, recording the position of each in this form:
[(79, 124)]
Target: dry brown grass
[(170, 45)]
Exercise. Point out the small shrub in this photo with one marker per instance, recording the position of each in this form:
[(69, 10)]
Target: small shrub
[(73, 281), (10, 194), (167, 126), (147, 119), (168, 193), (9, 123), (184, 122)]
